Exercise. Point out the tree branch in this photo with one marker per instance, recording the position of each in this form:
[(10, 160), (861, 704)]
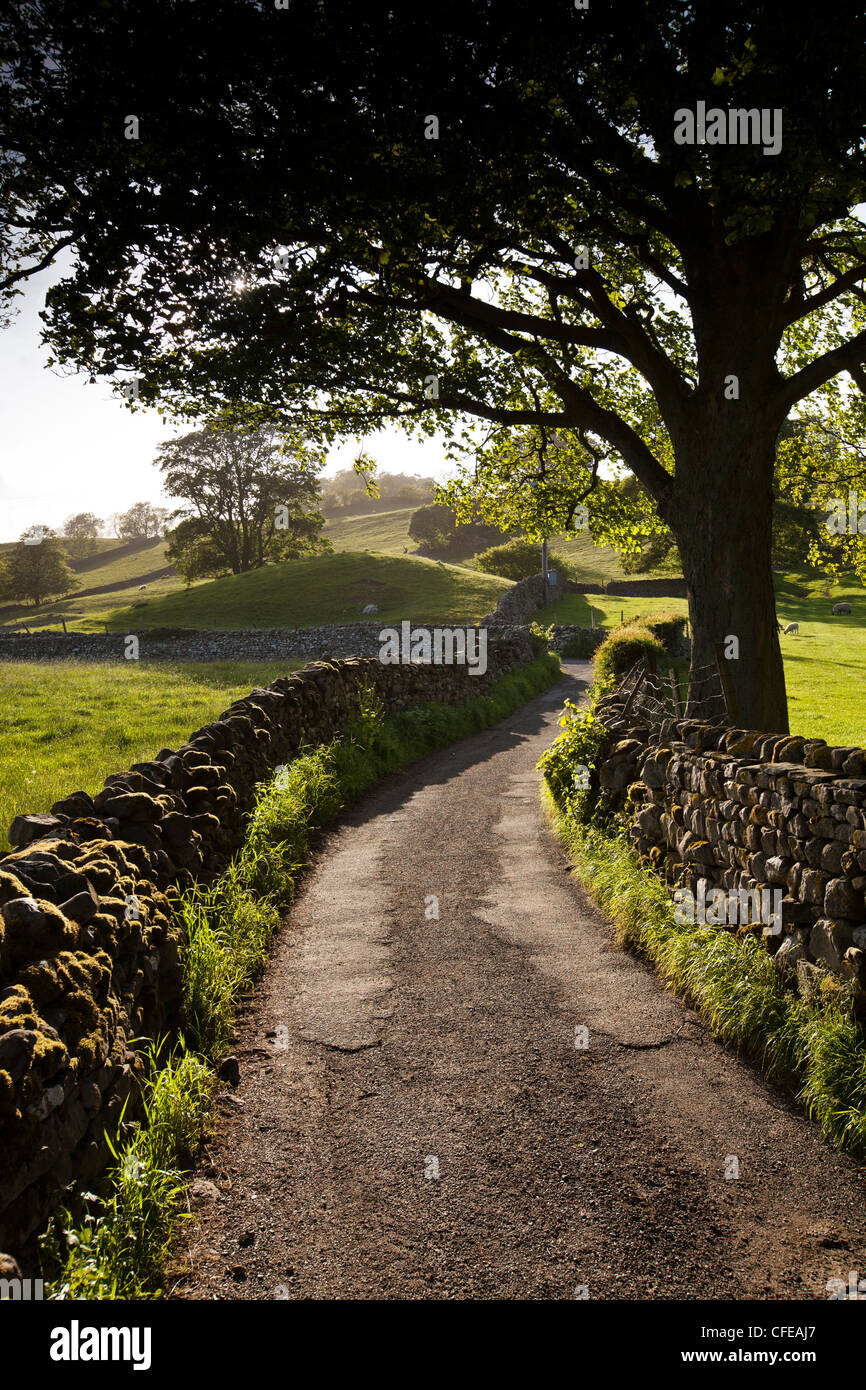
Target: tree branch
[(829, 364), (46, 260)]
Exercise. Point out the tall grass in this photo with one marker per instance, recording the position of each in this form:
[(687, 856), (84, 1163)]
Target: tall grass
[(115, 1245)]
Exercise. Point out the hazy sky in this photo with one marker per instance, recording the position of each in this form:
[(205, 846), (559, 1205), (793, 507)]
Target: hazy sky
[(67, 446)]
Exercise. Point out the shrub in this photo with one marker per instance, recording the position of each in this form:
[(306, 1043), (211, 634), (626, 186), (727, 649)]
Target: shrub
[(517, 560), (667, 627), (570, 765), (623, 647)]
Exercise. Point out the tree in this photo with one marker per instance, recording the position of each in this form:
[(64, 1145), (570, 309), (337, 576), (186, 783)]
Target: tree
[(439, 531), (443, 218), (346, 492), (822, 474), (248, 498), (36, 567), (142, 521), (80, 532), (432, 526)]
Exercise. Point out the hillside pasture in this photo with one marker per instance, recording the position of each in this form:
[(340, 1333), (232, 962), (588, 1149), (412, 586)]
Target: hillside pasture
[(382, 533), (66, 725), (112, 564), (326, 589)]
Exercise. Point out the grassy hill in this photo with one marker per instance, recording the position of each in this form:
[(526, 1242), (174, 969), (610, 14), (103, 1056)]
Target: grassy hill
[(385, 533), (112, 565), (118, 568), (388, 533), (325, 589)]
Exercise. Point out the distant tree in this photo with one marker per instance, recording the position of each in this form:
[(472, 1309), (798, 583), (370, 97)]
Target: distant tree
[(433, 525), (141, 522), (438, 531), (347, 492), (249, 498), (80, 532), (35, 569)]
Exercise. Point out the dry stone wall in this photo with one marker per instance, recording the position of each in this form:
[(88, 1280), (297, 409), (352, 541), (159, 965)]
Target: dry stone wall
[(90, 953), (709, 806), (654, 588), (265, 644), (519, 603)]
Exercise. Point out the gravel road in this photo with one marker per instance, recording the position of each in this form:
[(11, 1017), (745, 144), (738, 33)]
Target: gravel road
[(414, 1119)]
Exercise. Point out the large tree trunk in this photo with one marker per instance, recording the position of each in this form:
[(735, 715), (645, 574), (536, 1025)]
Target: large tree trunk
[(721, 513)]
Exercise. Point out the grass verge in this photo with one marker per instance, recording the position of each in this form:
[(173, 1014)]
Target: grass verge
[(114, 1245), (813, 1048)]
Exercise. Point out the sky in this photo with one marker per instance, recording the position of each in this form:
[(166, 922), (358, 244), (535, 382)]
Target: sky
[(67, 446)]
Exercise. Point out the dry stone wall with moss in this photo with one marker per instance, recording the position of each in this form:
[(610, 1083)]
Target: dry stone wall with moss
[(715, 807), (90, 953)]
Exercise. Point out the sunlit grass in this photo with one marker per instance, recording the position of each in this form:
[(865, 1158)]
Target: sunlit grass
[(65, 725), (327, 589), (815, 1049), (825, 664)]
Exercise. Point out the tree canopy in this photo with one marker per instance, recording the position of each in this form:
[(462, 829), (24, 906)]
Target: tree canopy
[(35, 567), (346, 492), (140, 522), (331, 216), (246, 499), (80, 532)]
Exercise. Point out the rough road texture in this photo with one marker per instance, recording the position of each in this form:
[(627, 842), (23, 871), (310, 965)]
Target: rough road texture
[(385, 1046)]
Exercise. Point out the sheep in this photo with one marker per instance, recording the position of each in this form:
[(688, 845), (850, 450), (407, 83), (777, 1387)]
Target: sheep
[(141, 588), (841, 608), (792, 629)]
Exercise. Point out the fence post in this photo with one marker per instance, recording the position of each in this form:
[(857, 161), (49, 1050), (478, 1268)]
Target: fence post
[(641, 676), (675, 694), (730, 695)]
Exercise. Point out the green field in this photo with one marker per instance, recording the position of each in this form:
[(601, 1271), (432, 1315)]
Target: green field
[(383, 533), (325, 589), (825, 665), (67, 724), (108, 565)]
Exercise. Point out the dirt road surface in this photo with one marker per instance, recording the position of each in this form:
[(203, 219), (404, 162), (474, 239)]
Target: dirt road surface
[(417, 1118)]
